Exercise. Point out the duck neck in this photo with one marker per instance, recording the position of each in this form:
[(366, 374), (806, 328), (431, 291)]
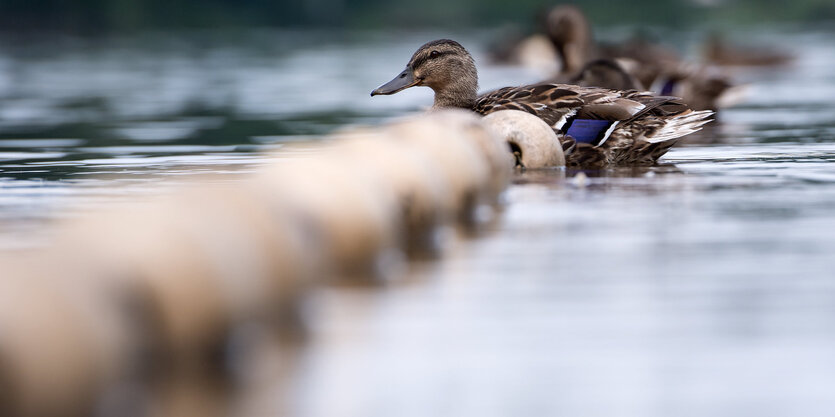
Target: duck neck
[(447, 98), (460, 91), (573, 56)]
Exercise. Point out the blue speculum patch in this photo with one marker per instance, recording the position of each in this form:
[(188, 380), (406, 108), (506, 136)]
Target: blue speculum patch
[(588, 131), (668, 88)]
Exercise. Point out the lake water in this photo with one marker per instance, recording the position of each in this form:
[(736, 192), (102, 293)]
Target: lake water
[(704, 286)]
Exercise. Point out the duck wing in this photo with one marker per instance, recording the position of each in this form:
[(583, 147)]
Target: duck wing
[(560, 105), (597, 126), (550, 102), (588, 114)]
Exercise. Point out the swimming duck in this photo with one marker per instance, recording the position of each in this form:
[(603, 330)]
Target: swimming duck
[(597, 127), (719, 51), (570, 33), (656, 67)]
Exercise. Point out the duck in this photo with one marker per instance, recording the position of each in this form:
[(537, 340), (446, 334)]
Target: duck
[(596, 127), (570, 34), (717, 50), (652, 66)]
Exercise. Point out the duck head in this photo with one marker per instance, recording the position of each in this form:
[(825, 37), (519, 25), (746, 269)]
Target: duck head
[(569, 31), (445, 67)]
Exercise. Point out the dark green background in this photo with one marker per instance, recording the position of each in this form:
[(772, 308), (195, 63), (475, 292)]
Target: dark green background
[(103, 16)]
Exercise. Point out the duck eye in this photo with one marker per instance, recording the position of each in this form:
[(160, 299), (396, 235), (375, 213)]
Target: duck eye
[(434, 54)]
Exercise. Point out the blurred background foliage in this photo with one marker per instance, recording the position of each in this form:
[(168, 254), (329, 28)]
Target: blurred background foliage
[(103, 16)]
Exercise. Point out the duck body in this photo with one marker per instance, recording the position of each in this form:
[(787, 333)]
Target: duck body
[(597, 127), (600, 127)]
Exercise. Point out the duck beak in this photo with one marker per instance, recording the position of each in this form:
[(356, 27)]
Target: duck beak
[(401, 82)]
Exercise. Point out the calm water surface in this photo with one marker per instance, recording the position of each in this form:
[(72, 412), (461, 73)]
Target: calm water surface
[(705, 286)]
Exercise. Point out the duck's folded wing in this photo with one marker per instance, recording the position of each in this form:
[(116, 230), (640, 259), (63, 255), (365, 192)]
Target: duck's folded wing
[(591, 115), (549, 102), (560, 105)]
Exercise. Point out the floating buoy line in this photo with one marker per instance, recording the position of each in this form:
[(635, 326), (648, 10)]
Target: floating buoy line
[(129, 299)]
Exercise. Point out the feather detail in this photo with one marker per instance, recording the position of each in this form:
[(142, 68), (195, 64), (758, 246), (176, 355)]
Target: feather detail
[(639, 120), (680, 125), (564, 119), (608, 133)]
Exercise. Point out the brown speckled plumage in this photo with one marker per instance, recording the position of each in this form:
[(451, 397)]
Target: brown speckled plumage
[(553, 102)]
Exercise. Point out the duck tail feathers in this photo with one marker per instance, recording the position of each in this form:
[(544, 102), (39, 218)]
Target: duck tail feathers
[(680, 125)]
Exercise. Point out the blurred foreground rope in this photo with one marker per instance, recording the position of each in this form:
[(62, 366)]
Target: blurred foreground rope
[(138, 310)]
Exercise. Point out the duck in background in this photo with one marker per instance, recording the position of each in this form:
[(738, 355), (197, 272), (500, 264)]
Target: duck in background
[(597, 127), (655, 67), (570, 34), (564, 52), (642, 57), (580, 62), (718, 51)]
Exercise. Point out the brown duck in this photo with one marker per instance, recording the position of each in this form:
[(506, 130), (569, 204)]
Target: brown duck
[(717, 50), (597, 127), (655, 67)]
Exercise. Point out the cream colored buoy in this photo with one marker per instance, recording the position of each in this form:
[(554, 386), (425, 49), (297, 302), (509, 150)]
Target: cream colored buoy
[(421, 191), (492, 146), (60, 349), (194, 265), (359, 220), (463, 166), (532, 142)]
